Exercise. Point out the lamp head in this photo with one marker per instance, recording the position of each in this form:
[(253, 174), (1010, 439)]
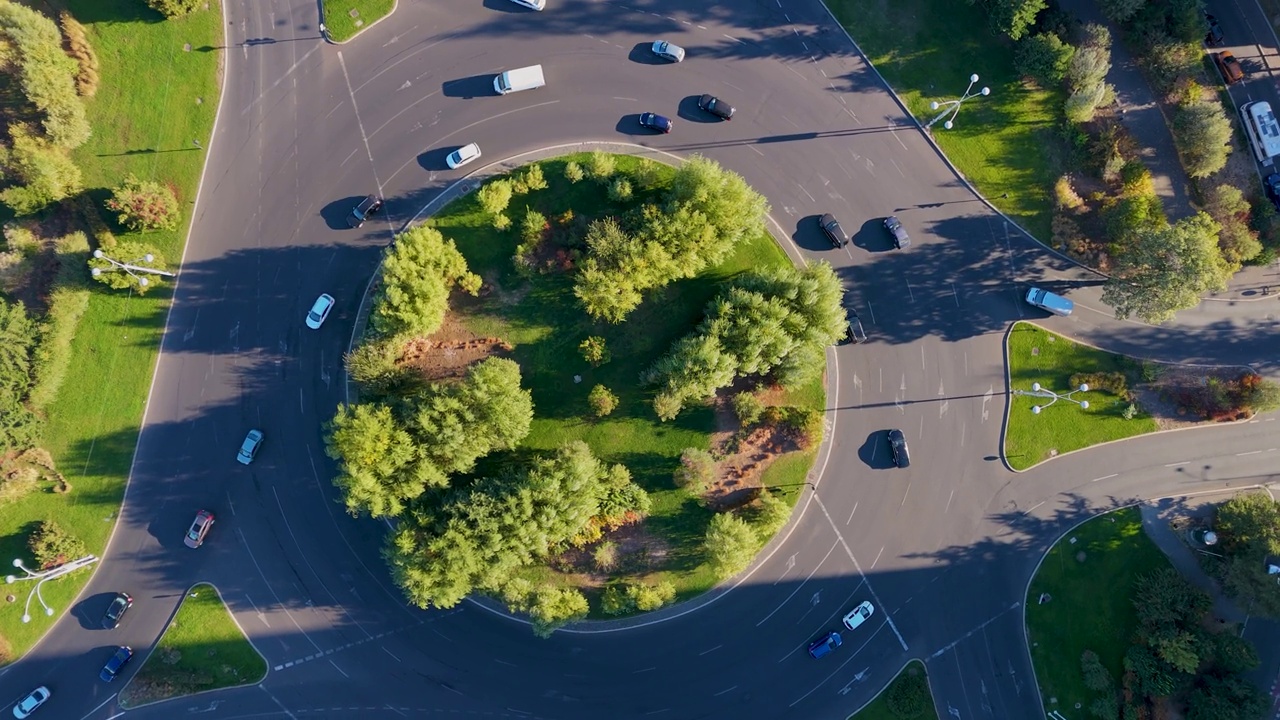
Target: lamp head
[(986, 91), (973, 77), (98, 253)]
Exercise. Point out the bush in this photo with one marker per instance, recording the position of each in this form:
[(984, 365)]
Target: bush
[(1096, 677), (651, 597), (501, 222), (42, 172), (602, 401), (748, 408), (1065, 195), (1239, 242), (600, 165), (552, 607), (729, 544), (615, 601), (67, 304), (534, 179), (495, 196), (620, 190), (47, 74), (144, 205), (534, 226), (1130, 412), (1202, 132), (594, 351), (908, 696), (1113, 382), (52, 546), (573, 172), (605, 556), (696, 472), (1043, 57), (770, 514), (81, 51), (176, 8), (648, 175), (667, 405)]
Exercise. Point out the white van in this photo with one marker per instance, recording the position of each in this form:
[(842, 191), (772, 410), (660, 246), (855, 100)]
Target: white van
[(525, 78), (532, 4), (1046, 300)]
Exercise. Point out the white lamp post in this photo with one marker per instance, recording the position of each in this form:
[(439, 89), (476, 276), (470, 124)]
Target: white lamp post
[(1037, 391), (130, 268), (44, 576), (953, 106)]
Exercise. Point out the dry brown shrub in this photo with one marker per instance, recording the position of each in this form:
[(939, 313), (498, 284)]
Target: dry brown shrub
[(78, 47), (1066, 195)]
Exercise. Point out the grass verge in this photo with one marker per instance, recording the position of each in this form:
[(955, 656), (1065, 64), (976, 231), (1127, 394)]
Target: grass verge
[(202, 649), (144, 128), (910, 690), (1090, 606), (543, 320), (1005, 143), (344, 19), (1039, 356)]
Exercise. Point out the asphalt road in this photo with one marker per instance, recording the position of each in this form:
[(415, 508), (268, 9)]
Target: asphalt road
[(944, 549)]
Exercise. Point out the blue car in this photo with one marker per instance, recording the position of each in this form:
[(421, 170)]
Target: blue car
[(824, 645), (116, 663), (653, 121)]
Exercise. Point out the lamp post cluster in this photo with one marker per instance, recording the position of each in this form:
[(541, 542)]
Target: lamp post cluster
[(1053, 397), (130, 268), (44, 576), (953, 106)]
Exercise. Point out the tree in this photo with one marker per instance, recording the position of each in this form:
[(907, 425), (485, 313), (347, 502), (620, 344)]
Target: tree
[(1229, 208), (729, 204), (621, 500), (770, 514), (1012, 17), (51, 545), (1159, 271), (1096, 675), (456, 424), (42, 173), (555, 607), (1121, 11), (595, 351), (1044, 57), (1231, 653), (136, 255), (1202, 132), (1165, 601), (602, 401), (176, 8), (144, 205), (729, 544), (417, 275), (495, 196), (19, 426), (600, 165), (1226, 698), (47, 74), (380, 467), (696, 471), (1249, 525)]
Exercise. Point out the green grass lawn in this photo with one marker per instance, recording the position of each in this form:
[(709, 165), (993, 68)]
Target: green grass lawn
[(1003, 143), (202, 649), (344, 25), (544, 322), (93, 425), (879, 708), (1037, 355), (1091, 607)]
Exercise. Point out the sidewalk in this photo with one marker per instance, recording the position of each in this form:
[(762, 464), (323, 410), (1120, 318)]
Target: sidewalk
[(1158, 518)]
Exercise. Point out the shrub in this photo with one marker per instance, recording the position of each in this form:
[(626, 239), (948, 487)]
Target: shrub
[(747, 407), (144, 205), (602, 401), (1202, 132), (667, 405), (594, 351), (729, 544), (81, 51), (1066, 195), (1112, 382), (51, 545), (600, 165), (534, 179), (605, 556), (176, 8), (1130, 412), (552, 607), (620, 190), (648, 175), (697, 470), (648, 598), (1239, 242), (908, 696), (67, 304), (770, 514), (533, 228), (134, 254), (42, 172), (46, 72), (1135, 179), (1096, 676), (373, 366), (495, 196), (615, 601), (1043, 57), (501, 222), (573, 172)]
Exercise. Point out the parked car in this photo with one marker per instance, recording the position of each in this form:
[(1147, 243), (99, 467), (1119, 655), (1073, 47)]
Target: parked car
[(898, 449), (120, 604), (249, 448), (1214, 35), (823, 646), (462, 156), (834, 232), (859, 615), (716, 106), (117, 662), (363, 210), (653, 121), (1271, 186), (1232, 73), (899, 233), (319, 311), (199, 529), (668, 52), (33, 700)]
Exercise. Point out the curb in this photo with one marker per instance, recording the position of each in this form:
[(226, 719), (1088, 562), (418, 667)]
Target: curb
[(324, 31)]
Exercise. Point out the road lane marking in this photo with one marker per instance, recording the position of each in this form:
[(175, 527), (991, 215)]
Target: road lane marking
[(1184, 462), (1033, 507), (873, 562), (722, 692), (704, 652), (949, 498), (1104, 477), (1251, 452), (806, 579), (854, 510)]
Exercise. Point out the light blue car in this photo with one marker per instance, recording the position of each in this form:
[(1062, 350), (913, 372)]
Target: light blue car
[(249, 448)]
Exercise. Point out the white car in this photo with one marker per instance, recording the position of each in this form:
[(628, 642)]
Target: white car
[(28, 704), (668, 52), (319, 311), (462, 156), (531, 4), (859, 615)]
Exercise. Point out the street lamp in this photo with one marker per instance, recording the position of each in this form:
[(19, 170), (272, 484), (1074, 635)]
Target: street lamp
[(953, 106), (130, 268), (1037, 391), (42, 577)]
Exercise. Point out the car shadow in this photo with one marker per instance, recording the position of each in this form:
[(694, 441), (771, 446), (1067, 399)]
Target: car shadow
[(874, 451), (335, 213), (89, 610), (872, 237), (469, 87), (808, 235), (690, 111), (642, 53), (434, 160)]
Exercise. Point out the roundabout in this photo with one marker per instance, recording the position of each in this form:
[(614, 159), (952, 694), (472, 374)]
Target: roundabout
[(944, 549)]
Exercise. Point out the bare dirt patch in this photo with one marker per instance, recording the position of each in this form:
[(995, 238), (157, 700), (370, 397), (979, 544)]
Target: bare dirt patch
[(744, 454), (450, 351), (637, 551), (1177, 398)]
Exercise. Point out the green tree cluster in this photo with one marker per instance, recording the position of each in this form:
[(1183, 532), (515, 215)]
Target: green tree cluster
[(1202, 131), (176, 8), (1159, 271), (19, 426), (1249, 528), (773, 323), (1087, 73), (417, 275), (51, 545), (1012, 17), (1238, 241)]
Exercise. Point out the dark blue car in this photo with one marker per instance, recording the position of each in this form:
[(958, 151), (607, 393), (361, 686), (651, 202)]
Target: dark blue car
[(117, 662), (653, 121), (824, 645)]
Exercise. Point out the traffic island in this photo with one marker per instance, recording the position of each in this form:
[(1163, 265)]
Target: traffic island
[(906, 698), (344, 19), (202, 649)]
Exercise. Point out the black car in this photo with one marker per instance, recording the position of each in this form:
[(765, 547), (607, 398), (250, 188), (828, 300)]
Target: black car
[(653, 121), (898, 448), (899, 233), (1271, 185), (1214, 35), (854, 334), (716, 106), (361, 212), (120, 604), (831, 227)]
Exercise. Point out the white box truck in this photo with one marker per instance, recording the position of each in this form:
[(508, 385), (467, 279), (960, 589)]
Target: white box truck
[(525, 78)]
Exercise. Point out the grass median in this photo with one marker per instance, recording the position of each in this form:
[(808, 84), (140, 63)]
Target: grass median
[(1087, 577), (1005, 143), (905, 698), (1039, 356), (202, 649), (344, 19), (148, 129)]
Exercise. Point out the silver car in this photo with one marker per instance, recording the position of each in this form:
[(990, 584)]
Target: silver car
[(668, 52), (859, 615)]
